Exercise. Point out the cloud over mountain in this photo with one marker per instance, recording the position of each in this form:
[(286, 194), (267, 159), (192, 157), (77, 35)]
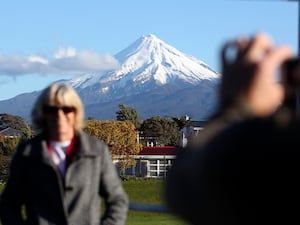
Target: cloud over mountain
[(63, 61)]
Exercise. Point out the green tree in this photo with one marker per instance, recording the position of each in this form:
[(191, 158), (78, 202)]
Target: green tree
[(16, 122), (10, 145), (4, 167), (121, 137), (182, 121), (3, 161), (163, 130), (128, 113)]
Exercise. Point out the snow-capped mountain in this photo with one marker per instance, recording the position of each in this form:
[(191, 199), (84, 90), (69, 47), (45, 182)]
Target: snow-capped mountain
[(153, 77), (146, 64)]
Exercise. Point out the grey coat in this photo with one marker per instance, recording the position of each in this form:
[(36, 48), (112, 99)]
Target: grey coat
[(35, 183)]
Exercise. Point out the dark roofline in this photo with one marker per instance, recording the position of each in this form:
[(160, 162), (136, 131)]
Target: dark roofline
[(10, 132), (159, 150)]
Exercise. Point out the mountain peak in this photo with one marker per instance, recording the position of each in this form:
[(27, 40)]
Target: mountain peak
[(146, 44), (150, 39), (145, 64), (150, 57), (149, 36)]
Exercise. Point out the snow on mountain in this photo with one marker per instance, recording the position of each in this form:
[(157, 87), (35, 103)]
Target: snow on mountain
[(146, 63), (150, 56), (85, 80)]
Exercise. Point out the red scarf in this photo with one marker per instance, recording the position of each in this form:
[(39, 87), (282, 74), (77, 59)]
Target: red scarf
[(69, 153)]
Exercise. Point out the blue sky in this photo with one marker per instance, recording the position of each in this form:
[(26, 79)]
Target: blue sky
[(44, 41)]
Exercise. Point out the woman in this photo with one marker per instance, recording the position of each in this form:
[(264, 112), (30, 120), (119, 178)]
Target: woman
[(60, 175)]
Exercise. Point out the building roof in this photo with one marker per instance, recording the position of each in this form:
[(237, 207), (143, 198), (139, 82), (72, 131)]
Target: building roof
[(159, 150), (198, 123), (10, 132)]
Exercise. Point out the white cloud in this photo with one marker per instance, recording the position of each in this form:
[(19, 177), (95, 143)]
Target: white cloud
[(64, 61), (39, 59), (65, 53)]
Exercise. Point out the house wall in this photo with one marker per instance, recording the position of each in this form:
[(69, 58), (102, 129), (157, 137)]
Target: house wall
[(155, 166)]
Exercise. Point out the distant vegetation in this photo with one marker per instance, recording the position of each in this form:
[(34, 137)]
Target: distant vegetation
[(120, 136)]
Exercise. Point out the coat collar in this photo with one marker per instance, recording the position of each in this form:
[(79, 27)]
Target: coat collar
[(83, 144)]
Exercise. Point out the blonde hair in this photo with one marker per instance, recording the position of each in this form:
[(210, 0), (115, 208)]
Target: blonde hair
[(58, 94)]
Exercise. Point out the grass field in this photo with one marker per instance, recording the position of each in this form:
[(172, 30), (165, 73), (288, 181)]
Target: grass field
[(146, 191)]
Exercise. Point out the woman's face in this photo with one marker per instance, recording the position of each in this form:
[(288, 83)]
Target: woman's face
[(60, 122)]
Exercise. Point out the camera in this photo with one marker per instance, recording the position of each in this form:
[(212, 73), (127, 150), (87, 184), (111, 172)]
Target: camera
[(291, 73)]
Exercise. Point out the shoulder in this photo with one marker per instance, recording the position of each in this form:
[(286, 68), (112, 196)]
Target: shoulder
[(255, 137), (90, 144), (90, 139), (30, 146)]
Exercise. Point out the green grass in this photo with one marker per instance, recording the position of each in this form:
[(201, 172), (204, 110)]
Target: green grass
[(150, 191), (147, 218), (143, 190)]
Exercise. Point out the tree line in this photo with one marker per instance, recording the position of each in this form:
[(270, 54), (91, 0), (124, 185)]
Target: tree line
[(125, 136)]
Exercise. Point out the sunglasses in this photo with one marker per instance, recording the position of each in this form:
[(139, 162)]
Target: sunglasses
[(47, 109)]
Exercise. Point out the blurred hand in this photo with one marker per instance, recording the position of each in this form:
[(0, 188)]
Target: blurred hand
[(249, 73)]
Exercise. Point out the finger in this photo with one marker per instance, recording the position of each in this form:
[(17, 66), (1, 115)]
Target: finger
[(278, 56), (259, 46)]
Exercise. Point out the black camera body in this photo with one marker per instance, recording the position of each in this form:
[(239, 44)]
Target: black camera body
[(291, 73), (290, 79)]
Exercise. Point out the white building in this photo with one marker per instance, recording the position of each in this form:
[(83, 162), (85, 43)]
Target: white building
[(153, 162)]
